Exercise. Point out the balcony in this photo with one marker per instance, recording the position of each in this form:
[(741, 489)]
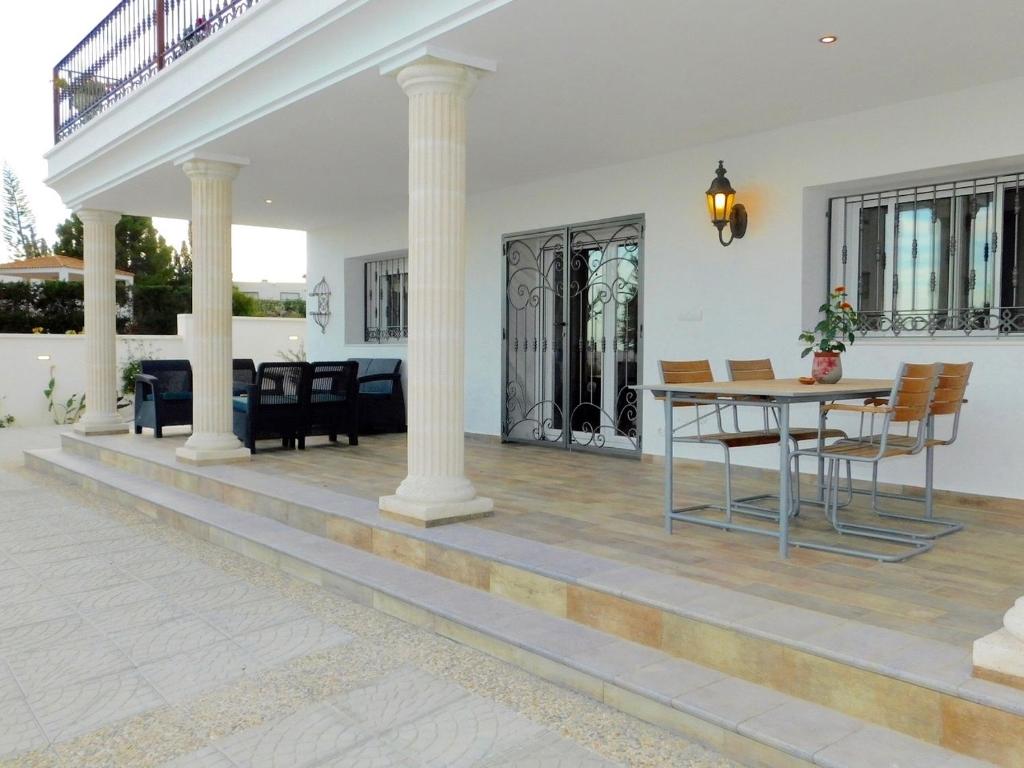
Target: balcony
[(133, 43)]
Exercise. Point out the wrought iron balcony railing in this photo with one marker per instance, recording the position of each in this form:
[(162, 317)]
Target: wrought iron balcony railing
[(129, 46)]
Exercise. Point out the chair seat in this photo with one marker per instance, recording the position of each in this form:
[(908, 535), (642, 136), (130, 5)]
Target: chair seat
[(811, 433), (737, 439), (867, 447)]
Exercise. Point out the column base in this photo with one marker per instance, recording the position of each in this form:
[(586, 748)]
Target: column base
[(201, 456), (102, 427), (429, 514), (999, 658)]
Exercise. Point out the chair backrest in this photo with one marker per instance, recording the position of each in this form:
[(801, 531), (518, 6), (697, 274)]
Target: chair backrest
[(173, 375), (750, 370), (281, 383), (334, 379), (949, 393), (913, 391), (377, 366), (243, 371), (686, 371)]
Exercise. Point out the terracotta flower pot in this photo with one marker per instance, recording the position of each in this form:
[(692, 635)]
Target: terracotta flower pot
[(827, 367)]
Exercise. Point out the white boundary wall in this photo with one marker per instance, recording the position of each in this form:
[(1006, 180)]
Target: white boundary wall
[(746, 301), (23, 376)]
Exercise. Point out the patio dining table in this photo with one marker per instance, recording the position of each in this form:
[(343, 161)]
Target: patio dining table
[(778, 394)]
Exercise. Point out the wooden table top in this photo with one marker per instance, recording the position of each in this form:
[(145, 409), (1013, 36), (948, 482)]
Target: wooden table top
[(783, 389)]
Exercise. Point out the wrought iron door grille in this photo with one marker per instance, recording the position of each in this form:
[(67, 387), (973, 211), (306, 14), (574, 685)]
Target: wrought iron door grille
[(572, 336), (936, 259)]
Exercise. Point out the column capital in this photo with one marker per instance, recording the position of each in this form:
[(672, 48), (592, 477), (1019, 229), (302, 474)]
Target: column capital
[(435, 75), (98, 216), (198, 166)]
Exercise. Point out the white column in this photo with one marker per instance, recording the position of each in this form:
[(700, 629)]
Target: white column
[(436, 489), (1000, 655), (212, 439), (101, 417)]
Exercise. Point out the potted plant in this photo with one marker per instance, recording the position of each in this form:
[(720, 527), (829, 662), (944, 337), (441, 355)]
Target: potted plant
[(829, 337), (83, 92)]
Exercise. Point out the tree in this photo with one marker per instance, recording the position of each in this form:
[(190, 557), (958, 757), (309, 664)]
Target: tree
[(139, 248), (244, 305), (19, 221)]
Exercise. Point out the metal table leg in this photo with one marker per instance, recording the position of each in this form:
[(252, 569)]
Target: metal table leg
[(668, 462), (784, 480)]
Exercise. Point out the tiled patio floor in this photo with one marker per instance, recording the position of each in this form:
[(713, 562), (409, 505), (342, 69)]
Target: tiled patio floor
[(612, 507), (125, 643)]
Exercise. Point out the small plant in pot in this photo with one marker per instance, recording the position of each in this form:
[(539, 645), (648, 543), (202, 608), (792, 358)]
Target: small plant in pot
[(829, 337)]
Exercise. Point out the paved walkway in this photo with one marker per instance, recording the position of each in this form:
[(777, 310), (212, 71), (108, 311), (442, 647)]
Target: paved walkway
[(125, 643)]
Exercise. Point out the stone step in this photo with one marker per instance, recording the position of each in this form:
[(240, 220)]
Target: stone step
[(752, 723), (914, 685)]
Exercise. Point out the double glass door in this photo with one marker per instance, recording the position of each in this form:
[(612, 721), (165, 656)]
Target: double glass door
[(572, 336)]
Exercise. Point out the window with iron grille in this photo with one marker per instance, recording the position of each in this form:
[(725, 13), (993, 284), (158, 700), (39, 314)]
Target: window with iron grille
[(387, 300), (935, 259)]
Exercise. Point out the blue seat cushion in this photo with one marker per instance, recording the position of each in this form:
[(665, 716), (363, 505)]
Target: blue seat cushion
[(376, 388), (240, 404), (169, 396)]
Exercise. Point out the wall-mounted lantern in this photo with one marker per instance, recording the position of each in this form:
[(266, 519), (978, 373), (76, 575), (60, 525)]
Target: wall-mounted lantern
[(723, 208)]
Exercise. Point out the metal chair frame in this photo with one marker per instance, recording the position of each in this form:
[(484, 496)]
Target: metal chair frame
[(909, 402), (948, 401)]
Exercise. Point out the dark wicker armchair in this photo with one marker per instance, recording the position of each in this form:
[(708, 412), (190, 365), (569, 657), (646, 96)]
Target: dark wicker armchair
[(274, 407), (163, 395), (243, 373), (334, 401), (381, 399)]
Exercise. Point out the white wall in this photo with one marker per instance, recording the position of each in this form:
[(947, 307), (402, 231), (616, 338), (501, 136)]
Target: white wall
[(23, 376), (753, 296)]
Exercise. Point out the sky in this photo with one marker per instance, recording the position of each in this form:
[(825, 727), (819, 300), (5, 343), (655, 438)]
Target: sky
[(33, 37)]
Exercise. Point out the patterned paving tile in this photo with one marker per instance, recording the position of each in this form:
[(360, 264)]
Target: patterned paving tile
[(547, 750), (71, 710), (152, 643), (302, 739), (45, 633), (194, 577), (207, 757), (282, 642), (76, 567), (58, 665), (404, 696), (147, 613), (41, 609), (17, 546), (235, 593), (250, 617), (112, 597), (9, 688), (151, 562), (23, 593), (20, 731), (186, 675), (86, 582), (462, 734)]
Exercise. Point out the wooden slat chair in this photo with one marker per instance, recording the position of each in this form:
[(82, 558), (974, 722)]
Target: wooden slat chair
[(762, 370), (909, 404), (948, 400), (699, 372)]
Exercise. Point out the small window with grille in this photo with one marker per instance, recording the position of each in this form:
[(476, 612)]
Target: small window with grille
[(936, 259), (387, 300)]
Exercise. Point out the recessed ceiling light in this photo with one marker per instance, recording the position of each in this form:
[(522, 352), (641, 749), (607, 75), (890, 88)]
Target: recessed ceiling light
[(268, 201), (42, 357), (827, 39)]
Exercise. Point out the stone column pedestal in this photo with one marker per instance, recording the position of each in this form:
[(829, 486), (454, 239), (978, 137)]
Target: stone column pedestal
[(436, 489), (101, 416), (999, 657), (212, 440)]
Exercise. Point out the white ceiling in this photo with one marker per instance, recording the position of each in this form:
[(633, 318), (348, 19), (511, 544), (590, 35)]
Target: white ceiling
[(585, 83)]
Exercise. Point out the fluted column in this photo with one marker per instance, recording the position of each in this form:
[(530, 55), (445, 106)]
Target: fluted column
[(1000, 655), (436, 489), (101, 417), (212, 439)]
